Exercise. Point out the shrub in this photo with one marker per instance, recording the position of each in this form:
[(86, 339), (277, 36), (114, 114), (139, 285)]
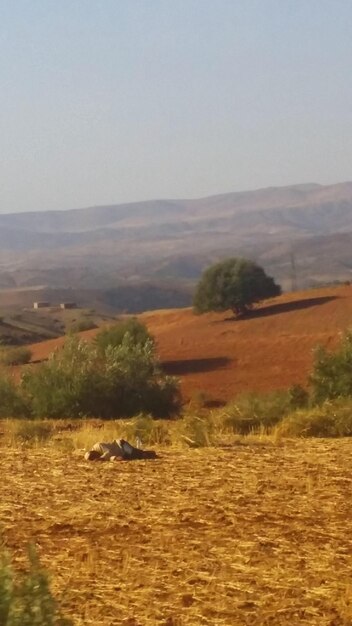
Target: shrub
[(15, 356), (12, 402), (27, 600), (113, 335), (332, 371), (253, 411), (331, 419), (298, 397), (136, 383), (82, 380), (161, 396), (61, 387)]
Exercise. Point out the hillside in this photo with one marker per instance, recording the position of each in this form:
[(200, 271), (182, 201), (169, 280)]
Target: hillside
[(126, 298), (175, 239), (270, 350), (26, 326), (222, 357)]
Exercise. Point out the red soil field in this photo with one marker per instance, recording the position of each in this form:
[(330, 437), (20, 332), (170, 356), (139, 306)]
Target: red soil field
[(271, 349)]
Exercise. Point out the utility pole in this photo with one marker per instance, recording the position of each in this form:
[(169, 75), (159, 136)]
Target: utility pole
[(293, 270)]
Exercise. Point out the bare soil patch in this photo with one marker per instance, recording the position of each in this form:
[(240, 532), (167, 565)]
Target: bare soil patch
[(256, 534), (270, 349)]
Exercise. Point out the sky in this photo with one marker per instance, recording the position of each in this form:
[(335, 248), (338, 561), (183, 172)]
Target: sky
[(109, 101)]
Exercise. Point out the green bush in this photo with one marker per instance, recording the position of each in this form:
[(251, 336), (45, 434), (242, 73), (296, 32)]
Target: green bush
[(253, 411), (81, 380), (15, 356), (12, 402), (26, 600), (332, 371), (331, 419), (298, 397), (113, 335)]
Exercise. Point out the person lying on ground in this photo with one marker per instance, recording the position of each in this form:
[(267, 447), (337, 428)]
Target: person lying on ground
[(119, 449)]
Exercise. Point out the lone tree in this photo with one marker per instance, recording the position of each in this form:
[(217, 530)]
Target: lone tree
[(234, 284)]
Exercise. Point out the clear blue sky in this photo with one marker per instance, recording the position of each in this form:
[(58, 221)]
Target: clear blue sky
[(106, 101)]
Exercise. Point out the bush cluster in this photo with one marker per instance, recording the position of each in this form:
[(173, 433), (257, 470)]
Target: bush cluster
[(118, 375), (323, 411), (26, 600), (103, 379), (332, 371), (329, 410), (12, 401), (112, 336)]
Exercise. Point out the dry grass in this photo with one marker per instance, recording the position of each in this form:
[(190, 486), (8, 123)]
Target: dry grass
[(254, 534)]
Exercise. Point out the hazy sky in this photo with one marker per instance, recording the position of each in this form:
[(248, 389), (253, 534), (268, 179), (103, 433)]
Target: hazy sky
[(106, 101)]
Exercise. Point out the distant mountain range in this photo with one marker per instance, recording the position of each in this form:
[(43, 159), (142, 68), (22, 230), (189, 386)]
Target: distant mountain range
[(301, 234)]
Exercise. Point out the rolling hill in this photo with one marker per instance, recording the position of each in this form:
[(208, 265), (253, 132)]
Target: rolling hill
[(300, 229), (271, 349)]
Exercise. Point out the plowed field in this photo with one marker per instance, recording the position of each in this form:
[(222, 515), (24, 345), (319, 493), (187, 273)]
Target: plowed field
[(271, 349), (256, 535)]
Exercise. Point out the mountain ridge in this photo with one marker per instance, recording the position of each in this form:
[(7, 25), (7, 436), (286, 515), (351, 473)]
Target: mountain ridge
[(132, 241)]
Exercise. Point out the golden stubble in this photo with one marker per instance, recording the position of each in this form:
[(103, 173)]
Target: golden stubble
[(251, 534)]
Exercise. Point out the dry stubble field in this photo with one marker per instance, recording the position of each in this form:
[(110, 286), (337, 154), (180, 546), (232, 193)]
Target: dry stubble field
[(254, 534)]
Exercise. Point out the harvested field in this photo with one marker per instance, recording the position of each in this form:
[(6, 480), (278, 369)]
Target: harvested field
[(271, 349), (254, 534)]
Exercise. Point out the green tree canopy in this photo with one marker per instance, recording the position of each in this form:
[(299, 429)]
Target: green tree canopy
[(331, 377), (234, 284), (113, 335)]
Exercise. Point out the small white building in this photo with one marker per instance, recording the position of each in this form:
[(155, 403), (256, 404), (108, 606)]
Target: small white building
[(68, 305)]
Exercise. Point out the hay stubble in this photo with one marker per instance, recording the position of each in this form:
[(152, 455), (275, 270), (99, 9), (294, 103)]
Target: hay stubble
[(250, 535)]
